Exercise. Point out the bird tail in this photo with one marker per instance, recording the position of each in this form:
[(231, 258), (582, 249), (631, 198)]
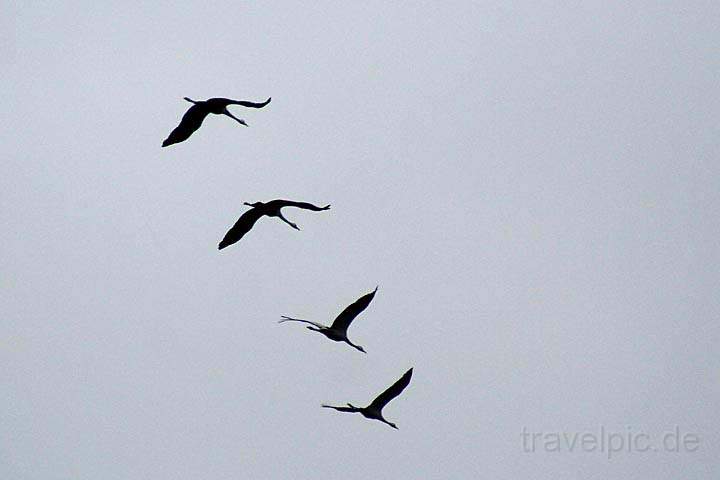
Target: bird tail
[(290, 319), (341, 409)]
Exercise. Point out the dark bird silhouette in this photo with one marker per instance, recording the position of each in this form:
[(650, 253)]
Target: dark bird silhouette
[(271, 209), (338, 330), (374, 410), (195, 115)]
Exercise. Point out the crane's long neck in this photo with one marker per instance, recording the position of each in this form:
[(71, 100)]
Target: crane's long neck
[(389, 423), (358, 347)]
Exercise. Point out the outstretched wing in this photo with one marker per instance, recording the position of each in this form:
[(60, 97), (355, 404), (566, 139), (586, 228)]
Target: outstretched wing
[(245, 103), (343, 321), (391, 392), (190, 122), (241, 227), (290, 203)]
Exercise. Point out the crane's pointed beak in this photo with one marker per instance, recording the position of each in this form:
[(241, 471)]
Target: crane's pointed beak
[(240, 121)]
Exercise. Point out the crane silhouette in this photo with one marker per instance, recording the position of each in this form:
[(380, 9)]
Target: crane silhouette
[(270, 209), (374, 410), (195, 115), (338, 330)]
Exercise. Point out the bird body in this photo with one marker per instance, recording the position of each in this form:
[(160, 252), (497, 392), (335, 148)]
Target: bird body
[(193, 118), (332, 334), (374, 410), (338, 330), (271, 209)]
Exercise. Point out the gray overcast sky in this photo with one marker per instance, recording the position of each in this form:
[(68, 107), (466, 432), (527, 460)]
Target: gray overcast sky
[(533, 185)]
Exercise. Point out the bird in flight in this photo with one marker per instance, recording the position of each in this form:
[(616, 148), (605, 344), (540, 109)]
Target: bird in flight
[(338, 330), (195, 115), (374, 410), (271, 209)]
